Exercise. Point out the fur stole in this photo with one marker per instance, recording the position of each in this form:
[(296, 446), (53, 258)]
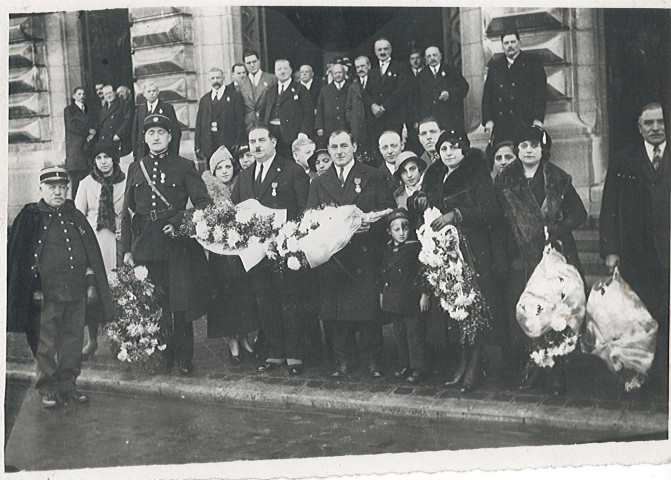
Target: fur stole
[(217, 190)]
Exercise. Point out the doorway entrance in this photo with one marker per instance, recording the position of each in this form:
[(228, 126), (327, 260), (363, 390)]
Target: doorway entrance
[(105, 49), (639, 68)]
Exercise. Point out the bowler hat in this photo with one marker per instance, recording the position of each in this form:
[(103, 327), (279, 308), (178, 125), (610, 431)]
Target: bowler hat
[(53, 174), (157, 120)]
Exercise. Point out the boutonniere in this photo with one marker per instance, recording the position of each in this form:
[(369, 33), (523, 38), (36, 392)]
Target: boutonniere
[(442, 73), (293, 90), (265, 84), (160, 110), (357, 185), (295, 97), (274, 187), (228, 99), (390, 74)]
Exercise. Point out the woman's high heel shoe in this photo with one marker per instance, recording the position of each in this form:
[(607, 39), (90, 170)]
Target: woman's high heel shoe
[(89, 351), (474, 372), (459, 374)]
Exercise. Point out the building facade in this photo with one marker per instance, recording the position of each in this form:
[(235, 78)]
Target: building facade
[(586, 52)]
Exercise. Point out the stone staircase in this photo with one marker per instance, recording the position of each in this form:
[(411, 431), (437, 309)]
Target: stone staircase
[(587, 241)]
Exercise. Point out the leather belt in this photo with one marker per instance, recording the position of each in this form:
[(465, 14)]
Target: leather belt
[(156, 215)]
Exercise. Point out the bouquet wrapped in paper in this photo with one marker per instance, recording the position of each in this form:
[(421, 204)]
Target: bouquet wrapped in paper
[(620, 330), (552, 307), (451, 279), (227, 229), (318, 235)]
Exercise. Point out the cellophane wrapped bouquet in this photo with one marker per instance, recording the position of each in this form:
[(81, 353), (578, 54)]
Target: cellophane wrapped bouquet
[(620, 330)]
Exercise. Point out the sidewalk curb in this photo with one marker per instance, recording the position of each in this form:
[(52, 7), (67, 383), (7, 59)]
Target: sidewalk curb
[(245, 392)]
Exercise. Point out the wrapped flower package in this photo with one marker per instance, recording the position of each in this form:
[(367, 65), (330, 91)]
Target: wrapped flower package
[(620, 330)]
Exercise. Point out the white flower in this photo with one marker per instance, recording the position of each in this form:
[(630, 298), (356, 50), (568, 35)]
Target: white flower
[(454, 269), (233, 238), (122, 355), (162, 347), (149, 350), (202, 231), (462, 300), (292, 244), (293, 263), (288, 229), (141, 272), (198, 216), (113, 279), (459, 314), (218, 233), (271, 254), (557, 322)]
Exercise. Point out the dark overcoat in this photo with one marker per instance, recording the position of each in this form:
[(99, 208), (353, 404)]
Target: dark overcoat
[(77, 125), (398, 279), (116, 120), (24, 243), (348, 279), (357, 112), (514, 97), (140, 148), (178, 181), (314, 91), (295, 111), (229, 113), (450, 113), (330, 112), (389, 91), (634, 221)]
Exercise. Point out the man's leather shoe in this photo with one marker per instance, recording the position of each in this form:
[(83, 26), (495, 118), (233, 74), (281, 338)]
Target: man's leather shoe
[(266, 367), (402, 373), (185, 368), (341, 372), (375, 371), (296, 369), (416, 376), (78, 397), (50, 401)]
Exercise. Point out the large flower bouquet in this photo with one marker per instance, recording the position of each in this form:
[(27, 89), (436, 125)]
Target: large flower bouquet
[(136, 331), (229, 229), (451, 279), (318, 235), (552, 307)]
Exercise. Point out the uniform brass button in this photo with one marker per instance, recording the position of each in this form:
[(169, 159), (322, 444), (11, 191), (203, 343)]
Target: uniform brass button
[(358, 271), (69, 248), (365, 249), (153, 204), (67, 239), (72, 267)]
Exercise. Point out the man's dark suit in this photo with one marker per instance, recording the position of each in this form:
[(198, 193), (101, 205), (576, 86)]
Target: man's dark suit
[(229, 115), (140, 148), (450, 113), (349, 294), (389, 91), (116, 119), (357, 114), (634, 224), (314, 90), (331, 105), (294, 111), (284, 187), (515, 96), (77, 125)]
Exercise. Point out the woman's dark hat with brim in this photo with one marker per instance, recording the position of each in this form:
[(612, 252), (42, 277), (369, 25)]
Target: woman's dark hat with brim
[(421, 165), (455, 136), (312, 161), (535, 134), (240, 152)]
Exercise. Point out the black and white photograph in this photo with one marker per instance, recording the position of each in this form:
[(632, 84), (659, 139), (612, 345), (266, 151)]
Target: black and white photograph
[(309, 240)]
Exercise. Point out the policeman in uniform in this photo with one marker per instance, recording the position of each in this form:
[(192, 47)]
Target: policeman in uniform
[(157, 190), (55, 270)]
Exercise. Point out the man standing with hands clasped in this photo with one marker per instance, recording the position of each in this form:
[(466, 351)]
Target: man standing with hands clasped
[(349, 299), (158, 188), (54, 270)]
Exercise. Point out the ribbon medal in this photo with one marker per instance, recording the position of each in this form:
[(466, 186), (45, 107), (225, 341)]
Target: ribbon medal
[(357, 185), (274, 187), (162, 177)]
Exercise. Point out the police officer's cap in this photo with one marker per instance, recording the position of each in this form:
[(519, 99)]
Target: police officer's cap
[(54, 174), (157, 120)]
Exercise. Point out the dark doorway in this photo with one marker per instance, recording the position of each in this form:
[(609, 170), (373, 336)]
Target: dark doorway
[(639, 68), (106, 49), (317, 35)]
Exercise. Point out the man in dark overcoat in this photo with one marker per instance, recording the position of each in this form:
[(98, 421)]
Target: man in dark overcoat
[(287, 111), (79, 131), (220, 120), (357, 106), (158, 188), (349, 297), (389, 89), (54, 270), (330, 113), (115, 122), (441, 89), (313, 85), (515, 92), (634, 223), (153, 105), (276, 183)]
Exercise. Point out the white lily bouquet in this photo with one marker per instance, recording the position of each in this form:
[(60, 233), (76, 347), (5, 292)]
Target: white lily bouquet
[(318, 235), (227, 229), (552, 308), (451, 279), (136, 331)]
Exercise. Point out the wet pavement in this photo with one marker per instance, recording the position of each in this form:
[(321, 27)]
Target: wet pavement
[(121, 430)]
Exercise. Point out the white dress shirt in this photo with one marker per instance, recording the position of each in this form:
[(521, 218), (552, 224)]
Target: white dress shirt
[(255, 78), (216, 94), (151, 107), (650, 149), (384, 66), (266, 168), (346, 169)]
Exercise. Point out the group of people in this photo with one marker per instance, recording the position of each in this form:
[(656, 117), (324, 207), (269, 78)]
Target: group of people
[(268, 138)]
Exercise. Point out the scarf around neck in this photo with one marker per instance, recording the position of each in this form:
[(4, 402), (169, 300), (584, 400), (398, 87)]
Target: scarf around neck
[(106, 214)]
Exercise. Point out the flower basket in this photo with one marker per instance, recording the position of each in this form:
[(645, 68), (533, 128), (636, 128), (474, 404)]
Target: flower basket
[(138, 330)]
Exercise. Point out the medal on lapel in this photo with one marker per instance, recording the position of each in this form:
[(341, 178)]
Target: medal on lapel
[(274, 187), (162, 177), (357, 185)]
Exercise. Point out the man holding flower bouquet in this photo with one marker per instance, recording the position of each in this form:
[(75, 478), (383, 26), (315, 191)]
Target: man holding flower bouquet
[(158, 188), (283, 185), (349, 295)]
